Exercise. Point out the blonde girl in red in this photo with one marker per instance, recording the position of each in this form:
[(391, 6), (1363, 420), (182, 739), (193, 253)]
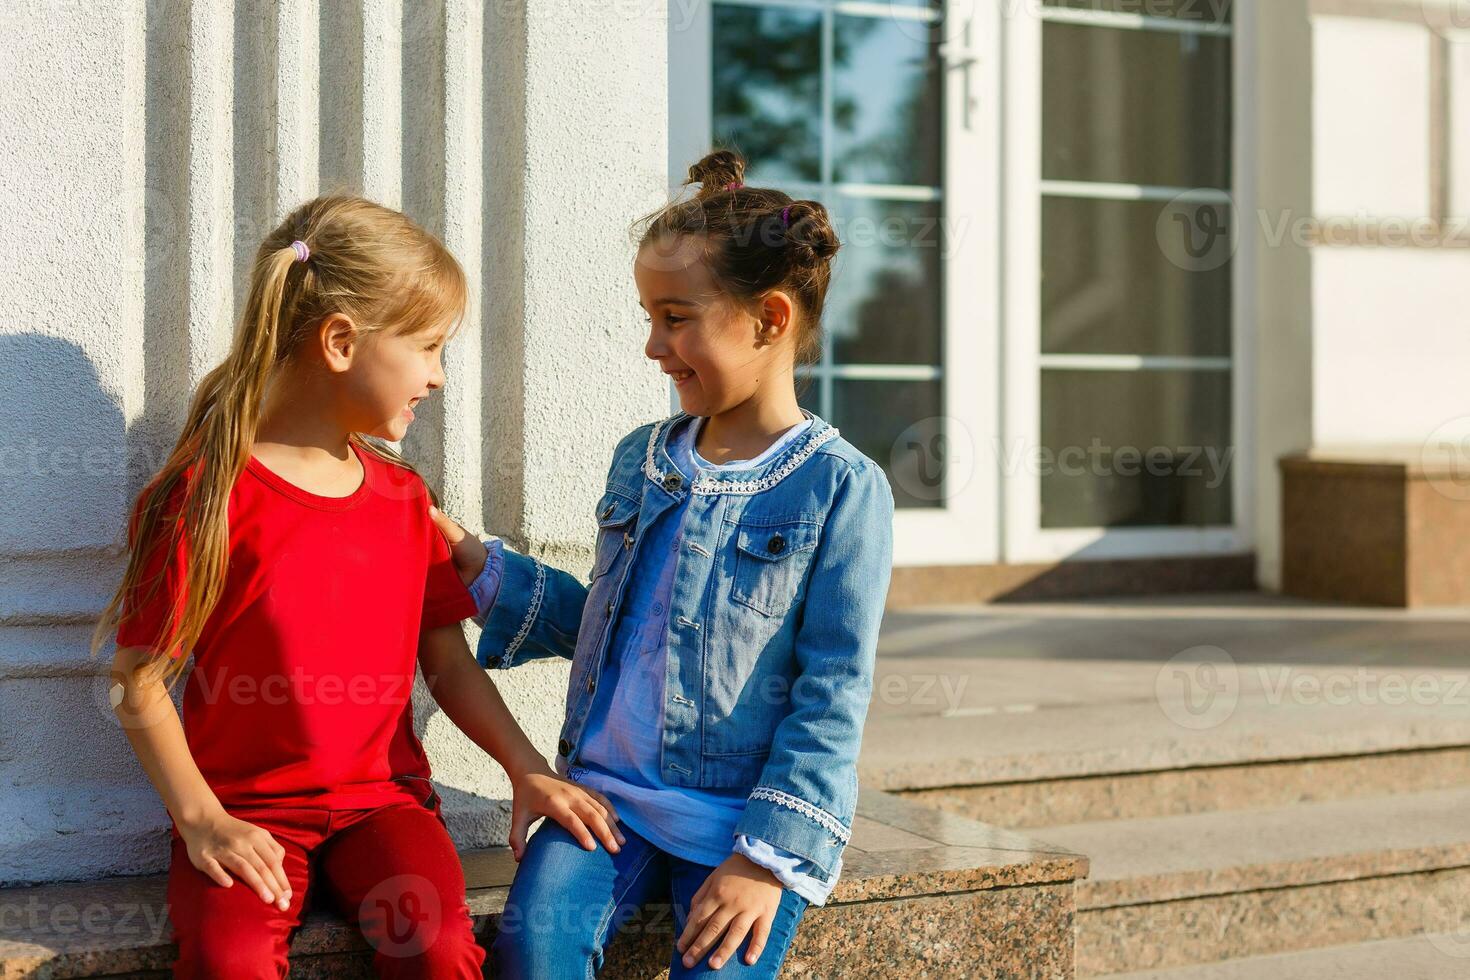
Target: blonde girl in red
[(293, 557)]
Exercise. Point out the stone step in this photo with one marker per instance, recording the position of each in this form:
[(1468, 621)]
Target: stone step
[(1442, 956), (1201, 789), (1030, 741), (1182, 890), (924, 893)]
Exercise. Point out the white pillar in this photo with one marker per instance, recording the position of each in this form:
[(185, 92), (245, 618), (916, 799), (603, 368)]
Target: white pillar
[(1277, 79)]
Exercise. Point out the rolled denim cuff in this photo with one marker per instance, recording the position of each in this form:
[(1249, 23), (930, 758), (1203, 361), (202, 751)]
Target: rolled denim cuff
[(791, 870), (795, 825), (486, 585)]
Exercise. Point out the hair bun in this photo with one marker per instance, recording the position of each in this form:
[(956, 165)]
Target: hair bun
[(810, 229), (717, 171)]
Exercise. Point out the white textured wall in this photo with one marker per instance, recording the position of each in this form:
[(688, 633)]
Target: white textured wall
[(145, 145), (1390, 350)]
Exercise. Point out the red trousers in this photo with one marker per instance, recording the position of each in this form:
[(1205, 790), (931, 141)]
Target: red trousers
[(393, 872)]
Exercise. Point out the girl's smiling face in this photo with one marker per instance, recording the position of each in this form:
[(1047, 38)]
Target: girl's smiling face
[(717, 352), (390, 374)]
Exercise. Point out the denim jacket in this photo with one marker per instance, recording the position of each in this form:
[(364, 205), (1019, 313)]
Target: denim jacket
[(773, 623)]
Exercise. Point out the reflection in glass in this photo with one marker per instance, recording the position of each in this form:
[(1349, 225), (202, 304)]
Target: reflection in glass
[(885, 101), (1135, 107), (875, 416), (1109, 286), (768, 89), (1135, 448), (884, 305)]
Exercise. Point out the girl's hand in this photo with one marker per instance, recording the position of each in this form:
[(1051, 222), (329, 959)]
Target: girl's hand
[(585, 813), (220, 845), (467, 550), (738, 897)]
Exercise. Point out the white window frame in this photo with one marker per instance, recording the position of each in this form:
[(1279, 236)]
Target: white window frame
[(965, 530), (1023, 538)]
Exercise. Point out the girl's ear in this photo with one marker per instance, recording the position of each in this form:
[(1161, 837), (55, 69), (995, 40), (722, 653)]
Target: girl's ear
[(337, 339), (777, 316)]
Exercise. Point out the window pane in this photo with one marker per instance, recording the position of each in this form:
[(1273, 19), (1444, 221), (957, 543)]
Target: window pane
[(1135, 448), (768, 89), (1135, 107), (1117, 279), (873, 416), (884, 303), (1203, 11), (885, 101)]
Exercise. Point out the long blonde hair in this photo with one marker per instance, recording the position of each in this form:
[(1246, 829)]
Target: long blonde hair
[(367, 262)]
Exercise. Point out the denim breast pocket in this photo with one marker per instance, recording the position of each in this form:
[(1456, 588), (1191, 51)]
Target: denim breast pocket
[(771, 560), (617, 520)]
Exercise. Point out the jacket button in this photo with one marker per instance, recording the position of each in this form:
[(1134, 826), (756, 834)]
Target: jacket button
[(776, 545), (609, 607), (627, 539), (591, 684), (564, 747), (606, 513), (673, 482)]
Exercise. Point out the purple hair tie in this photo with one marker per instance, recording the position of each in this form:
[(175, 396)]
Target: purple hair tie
[(786, 215), (733, 185), (302, 252)]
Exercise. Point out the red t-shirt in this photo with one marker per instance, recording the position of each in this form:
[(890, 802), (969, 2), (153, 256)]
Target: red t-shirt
[(302, 680)]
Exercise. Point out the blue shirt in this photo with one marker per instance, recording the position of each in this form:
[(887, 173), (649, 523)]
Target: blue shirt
[(621, 746)]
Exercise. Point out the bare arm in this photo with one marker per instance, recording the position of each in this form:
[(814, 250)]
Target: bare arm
[(219, 845), (471, 700)]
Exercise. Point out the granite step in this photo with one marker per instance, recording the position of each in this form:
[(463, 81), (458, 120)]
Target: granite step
[(1442, 956), (1176, 891), (924, 893), (1168, 791)]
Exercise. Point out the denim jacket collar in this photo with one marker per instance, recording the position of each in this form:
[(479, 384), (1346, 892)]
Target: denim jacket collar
[(660, 468)]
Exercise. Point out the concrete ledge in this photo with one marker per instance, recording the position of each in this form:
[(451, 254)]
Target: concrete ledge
[(923, 890)]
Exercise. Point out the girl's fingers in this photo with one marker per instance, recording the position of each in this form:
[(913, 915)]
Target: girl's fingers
[(575, 827), (518, 823), (612, 811), (760, 931), (697, 916), (244, 869), (217, 874), (708, 936), (736, 932), (453, 533), (600, 829), (277, 871)]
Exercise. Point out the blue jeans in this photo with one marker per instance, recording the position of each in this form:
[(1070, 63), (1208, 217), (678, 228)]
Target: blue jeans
[(567, 903)]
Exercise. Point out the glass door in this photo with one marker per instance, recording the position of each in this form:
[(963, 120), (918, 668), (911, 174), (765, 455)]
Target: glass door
[(885, 112), (1122, 411)]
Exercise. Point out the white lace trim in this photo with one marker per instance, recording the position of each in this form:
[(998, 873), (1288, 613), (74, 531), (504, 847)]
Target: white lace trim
[(828, 822), (712, 485), (531, 610)]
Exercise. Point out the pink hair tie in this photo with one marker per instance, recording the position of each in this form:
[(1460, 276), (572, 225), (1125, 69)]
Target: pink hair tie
[(302, 252), (733, 185)]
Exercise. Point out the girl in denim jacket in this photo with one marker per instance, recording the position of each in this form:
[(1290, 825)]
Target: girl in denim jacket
[(722, 654)]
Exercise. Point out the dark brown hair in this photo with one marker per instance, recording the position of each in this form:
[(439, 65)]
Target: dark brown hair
[(755, 240)]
